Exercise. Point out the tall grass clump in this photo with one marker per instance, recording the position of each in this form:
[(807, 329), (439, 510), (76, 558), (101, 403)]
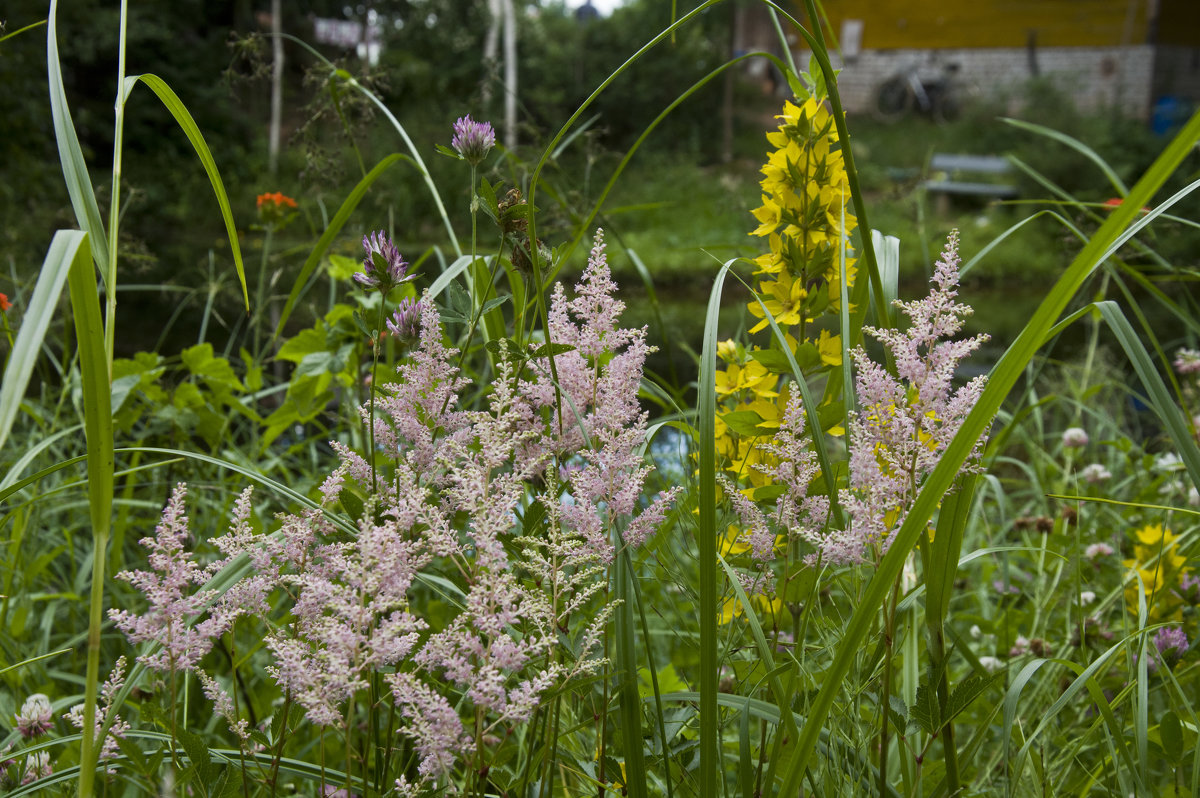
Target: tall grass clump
[(448, 549)]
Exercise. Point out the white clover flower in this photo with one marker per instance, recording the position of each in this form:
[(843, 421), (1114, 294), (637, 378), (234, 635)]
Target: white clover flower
[(1086, 597), (1097, 550), (1074, 438), (1167, 462), (991, 664), (1095, 472)]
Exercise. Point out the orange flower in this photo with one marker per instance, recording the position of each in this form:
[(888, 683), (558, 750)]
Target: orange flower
[(278, 199), (1115, 202), (4, 303)]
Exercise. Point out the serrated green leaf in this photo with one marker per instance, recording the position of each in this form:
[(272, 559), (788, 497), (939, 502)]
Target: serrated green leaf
[(967, 691), (193, 745), (342, 268), (924, 713)]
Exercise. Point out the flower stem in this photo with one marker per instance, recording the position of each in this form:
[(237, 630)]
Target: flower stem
[(371, 405), (888, 648)]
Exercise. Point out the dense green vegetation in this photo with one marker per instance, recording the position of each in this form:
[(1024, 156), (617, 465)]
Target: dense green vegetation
[(371, 484)]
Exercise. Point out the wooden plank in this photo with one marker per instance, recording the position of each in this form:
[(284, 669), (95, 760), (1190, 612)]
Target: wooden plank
[(986, 164), (968, 189)]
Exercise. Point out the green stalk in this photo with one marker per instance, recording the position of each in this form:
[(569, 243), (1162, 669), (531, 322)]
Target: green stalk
[(374, 389), (889, 630), (114, 215), (97, 400)]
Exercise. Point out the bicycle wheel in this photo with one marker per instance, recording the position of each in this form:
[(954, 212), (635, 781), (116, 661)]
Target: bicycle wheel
[(893, 99)]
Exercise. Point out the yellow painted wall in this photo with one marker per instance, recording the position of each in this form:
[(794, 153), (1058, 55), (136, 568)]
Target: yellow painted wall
[(890, 24)]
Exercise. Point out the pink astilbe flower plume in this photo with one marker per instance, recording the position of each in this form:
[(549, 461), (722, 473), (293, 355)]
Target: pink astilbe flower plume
[(167, 587), (905, 422)]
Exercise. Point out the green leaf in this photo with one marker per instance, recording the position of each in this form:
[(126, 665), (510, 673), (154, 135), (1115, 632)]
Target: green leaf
[(967, 691), (548, 350), (746, 423), (925, 714), (70, 154), (495, 302), (184, 118), (65, 247), (444, 150), (200, 361), (303, 344), (668, 681), (342, 268), (1171, 732)]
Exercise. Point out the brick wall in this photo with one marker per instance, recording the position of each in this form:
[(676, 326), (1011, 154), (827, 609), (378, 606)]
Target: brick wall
[(1096, 77)]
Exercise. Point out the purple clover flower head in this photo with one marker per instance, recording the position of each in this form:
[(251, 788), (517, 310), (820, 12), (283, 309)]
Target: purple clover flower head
[(473, 140), (405, 322), (35, 718), (383, 268), (1171, 643), (1096, 550)]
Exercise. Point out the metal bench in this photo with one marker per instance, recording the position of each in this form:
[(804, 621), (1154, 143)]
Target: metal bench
[(952, 166)]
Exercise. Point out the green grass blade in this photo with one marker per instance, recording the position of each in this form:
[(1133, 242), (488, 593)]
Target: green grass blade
[(173, 104), (70, 154), (63, 248), (447, 276), (1075, 144), (782, 699), (98, 427), (1161, 398), (629, 702), (708, 776), (1004, 376), (331, 232)]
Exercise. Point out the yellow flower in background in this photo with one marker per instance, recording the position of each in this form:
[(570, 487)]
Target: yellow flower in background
[(1160, 578)]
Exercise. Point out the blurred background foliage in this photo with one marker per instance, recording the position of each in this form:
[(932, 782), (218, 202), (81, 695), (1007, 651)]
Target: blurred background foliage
[(682, 206)]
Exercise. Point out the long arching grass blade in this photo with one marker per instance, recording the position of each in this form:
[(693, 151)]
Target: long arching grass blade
[(1160, 398), (1074, 144), (70, 154), (53, 276), (98, 426), (331, 232), (173, 104), (630, 705), (706, 544)]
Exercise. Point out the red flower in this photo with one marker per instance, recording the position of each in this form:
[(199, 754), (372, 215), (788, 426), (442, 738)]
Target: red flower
[(278, 199), (4, 303), (1115, 202)]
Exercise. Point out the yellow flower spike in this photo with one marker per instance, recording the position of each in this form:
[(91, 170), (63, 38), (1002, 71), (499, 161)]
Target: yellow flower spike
[(830, 347), (752, 376), (784, 300)]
